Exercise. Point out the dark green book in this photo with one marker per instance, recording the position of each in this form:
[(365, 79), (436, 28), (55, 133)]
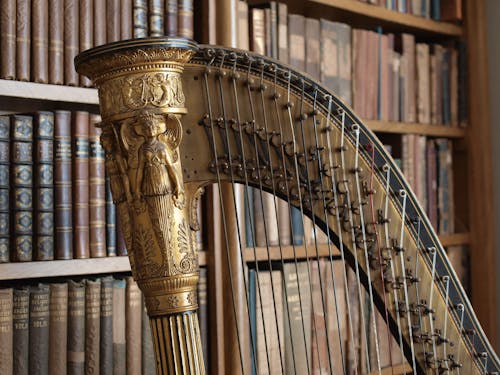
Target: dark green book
[(4, 188), (76, 328), (21, 316), (106, 326), (39, 330)]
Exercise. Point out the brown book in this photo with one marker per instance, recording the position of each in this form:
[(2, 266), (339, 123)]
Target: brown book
[(56, 42), (40, 43), (6, 300), (106, 326), (113, 20), (140, 14), (39, 330), (319, 343), (86, 32), (409, 92), (133, 326), (423, 84), (58, 328), (296, 43), (97, 191), (100, 22), (203, 313), (312, 57), (257, 31), (283, 32), (451, 10), (92, 326), (71, 45), (454, 86), (171, 15), (20, 316), (148, 359), (8, 39), (126, 19), (119, 328), (76, 328), (23, 40), (81, 184), (62, 185), (185, 27), (243, 32), (384, 82), (156, 17)]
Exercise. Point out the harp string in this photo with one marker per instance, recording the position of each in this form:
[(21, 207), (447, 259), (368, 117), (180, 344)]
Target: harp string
[(430, 311)]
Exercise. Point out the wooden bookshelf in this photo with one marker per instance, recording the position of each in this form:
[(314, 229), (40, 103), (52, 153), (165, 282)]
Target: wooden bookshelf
[(423, 129)]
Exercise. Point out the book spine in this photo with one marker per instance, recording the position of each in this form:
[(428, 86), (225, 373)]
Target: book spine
[(62, 185), (119, 328), (22, 182), (106, 326), (71, 46), (56, 42), (23, 40), (39, 330), (203, 313), (156, 18), (86, 31), (100, 22), (148, 359), (6, 335), (243, 34), (40, 46), (171, 15), (44, 186), (81, 184), (126, 19), (4, 188), (8, 39), (185, 20), (92, 326), (296, 42), (97, 193), (140, 13), (297, 226), (112, 21), (283, 32), (462, 85), (20, 317), (252, 312), (249, 217), (445, 86), (319, 344), (312, 35), (76, 328), (454, 87), (133, 336), (110, 221), (58, 328), (121, 246), (257, 31), (423, 79)]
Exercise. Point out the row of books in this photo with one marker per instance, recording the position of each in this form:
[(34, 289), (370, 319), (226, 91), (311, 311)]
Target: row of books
[(438, 10), (40, 39), (54, 200), (385, 77)]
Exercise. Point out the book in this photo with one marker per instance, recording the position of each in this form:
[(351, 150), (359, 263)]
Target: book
[(106, 326), (156, 17), (451, 10), (140, 14), (92, 325), (110, 221), (20, 317), (252, 301), (4, 188), (296, 42), (71, 45), (432, 184), (203, 314), (119, 328), (6, 334), (185, 19), (43, 193), (22, 187), (454, 84), (23, 40), (445, 86), (62, 185), (407, 42), (80, 185), (58, 328), (40, 47), (97, 191), (56, 42), (148, 359), (445, 186), (172, 17), (243, 32), (8, 39), (76, 328), (121, 246), (312, 52), (39, 330), (282, 32), (86, 32), (133, 337), (126, 20), (100, 18), (319, 340), (423, 85), (112, 21)]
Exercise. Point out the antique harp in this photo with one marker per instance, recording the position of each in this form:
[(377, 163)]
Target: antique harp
[(177, 117)]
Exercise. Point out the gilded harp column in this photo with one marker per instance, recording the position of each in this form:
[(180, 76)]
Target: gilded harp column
[(142, 103)]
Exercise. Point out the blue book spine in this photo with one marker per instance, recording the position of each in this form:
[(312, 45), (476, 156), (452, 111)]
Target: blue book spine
[(297, 227), (249, 217), (436, 10), (253, 318), (110, 221)]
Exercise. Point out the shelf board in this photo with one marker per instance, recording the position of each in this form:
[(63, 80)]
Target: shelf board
[(288, 252), (42, 91), (423, 129), (455, 239), (393, 17)]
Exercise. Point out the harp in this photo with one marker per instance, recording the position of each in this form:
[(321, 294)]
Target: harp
[(178, 117)]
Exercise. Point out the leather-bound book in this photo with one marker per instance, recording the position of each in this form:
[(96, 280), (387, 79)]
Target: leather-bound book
[(156, 18), (71, 45), (40, 41), (171, 15), (203, 313), (97, 191), (185, 29), (8, 39), (58, 328), (110, 222), (113, 20), (133, 326), (126, 19), (92, 326), (76, 328), (62, 185), (106, 326), (99, 22), (39, 330), (43, 193), (148, 359), (140, 14), (6, 299), (4, 188), (121, 246), (119, 328), (81, 185), (86, 32), (20, 317), (23, 40), (21, 134), (56, 42)]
